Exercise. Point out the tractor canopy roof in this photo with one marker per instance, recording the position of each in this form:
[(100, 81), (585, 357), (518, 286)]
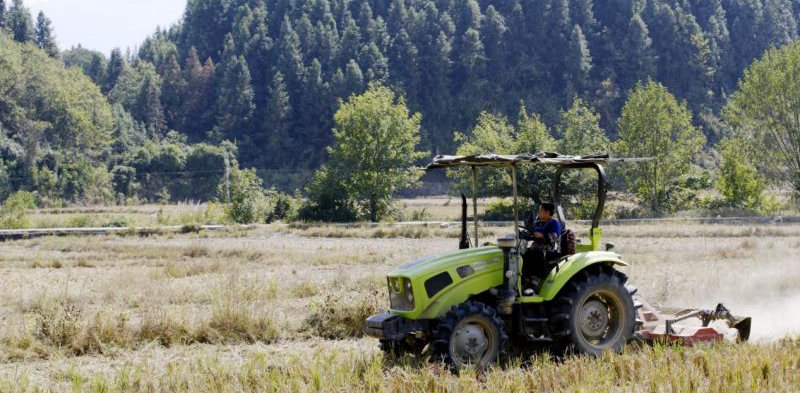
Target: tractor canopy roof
[(499, 160)]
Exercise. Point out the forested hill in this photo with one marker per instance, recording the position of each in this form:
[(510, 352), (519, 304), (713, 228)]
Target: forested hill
[(267, 73)]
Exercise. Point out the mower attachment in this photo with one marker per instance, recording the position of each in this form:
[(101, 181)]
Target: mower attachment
[(689, 327)]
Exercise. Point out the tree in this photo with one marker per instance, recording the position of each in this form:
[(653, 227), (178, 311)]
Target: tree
[(766, 109), (739, 181), (3, 14), (19, 22), (149, 108), (653, 124), (116, 66), (274, 135), (375, 149), (580, 131), (235, 102), (44, 37), (494, 134), (579, 63)]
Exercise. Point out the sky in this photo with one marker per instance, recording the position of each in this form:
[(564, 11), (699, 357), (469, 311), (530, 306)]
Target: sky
[(105, 24)]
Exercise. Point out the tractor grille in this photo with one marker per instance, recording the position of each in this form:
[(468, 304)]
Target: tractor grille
[(401, 294)]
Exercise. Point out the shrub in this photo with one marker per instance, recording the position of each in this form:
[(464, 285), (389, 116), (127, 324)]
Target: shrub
[(12, 213), (326, 200), (739, 181), (79, 221), (251, 203), (247, 201), (503, 210)]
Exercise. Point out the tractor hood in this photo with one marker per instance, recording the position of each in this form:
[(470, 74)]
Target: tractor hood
[(450, 261), (422, 289)]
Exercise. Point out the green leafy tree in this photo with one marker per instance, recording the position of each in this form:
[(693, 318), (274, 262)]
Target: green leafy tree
[(654, 124), (247, 199), (766, 109), (375, 150), (580, 131), (739, 181), (494, 134)]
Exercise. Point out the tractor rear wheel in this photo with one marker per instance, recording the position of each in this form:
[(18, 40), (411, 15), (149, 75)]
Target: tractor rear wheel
[(470, 336), (595, 312)]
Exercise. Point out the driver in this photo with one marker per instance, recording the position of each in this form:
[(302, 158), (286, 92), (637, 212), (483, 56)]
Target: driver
[(546, 237)]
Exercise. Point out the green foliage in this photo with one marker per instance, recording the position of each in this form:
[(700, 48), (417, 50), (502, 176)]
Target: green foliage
[(653, 124), (250, 203), (12, 213), (327, 200), (766, 109), (580, 131), (54, 125), (503, 210), (374, 153), (247, 202), (494, 134), (739, 182)]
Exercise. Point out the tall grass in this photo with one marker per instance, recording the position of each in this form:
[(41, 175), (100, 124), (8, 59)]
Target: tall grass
[(343, 368)]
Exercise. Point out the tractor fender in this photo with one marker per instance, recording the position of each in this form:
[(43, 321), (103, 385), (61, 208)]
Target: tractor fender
[(566, 269)]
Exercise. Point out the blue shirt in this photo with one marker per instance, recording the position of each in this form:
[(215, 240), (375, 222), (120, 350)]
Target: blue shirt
[(552, 235)]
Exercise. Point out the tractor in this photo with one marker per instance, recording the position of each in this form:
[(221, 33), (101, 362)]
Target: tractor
[(468, 307)]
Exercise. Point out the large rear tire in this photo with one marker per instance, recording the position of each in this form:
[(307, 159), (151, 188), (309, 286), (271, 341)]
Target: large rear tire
[(470, 336), (595, 312)]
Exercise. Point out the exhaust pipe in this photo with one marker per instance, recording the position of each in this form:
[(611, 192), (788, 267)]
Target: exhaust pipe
[(464, 242)]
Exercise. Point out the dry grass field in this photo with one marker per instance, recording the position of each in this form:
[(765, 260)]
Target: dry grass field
[(279, 309)]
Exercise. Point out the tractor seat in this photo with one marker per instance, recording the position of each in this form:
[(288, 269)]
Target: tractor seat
[(568, 242)]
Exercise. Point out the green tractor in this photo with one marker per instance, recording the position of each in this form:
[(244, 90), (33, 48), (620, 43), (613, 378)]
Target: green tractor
[(464, 305)]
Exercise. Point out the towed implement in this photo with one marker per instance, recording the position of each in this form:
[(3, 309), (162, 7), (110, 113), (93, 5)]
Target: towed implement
[(469, 307)]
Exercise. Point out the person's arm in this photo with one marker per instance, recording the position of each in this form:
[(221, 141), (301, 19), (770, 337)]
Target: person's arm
[(553, 237)]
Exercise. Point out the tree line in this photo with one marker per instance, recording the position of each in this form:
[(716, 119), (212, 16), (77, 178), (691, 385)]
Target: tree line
[(268, 74)]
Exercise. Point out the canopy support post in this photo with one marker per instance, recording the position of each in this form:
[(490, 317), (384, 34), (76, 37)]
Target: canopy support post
[(514, 190), (475, 202)]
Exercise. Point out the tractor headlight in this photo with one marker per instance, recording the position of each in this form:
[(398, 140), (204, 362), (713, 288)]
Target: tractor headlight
[(401, 294)]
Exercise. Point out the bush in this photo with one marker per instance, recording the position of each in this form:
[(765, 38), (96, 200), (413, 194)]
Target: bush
[(499, 210), (247, 203), (326, 200), (503, 210), (739, 182), (12, 213), (250, 203)]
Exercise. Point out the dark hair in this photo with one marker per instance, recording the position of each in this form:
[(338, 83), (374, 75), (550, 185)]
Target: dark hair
[(549, 207)]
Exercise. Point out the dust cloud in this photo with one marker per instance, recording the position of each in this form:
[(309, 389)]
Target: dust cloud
[(774, 317)]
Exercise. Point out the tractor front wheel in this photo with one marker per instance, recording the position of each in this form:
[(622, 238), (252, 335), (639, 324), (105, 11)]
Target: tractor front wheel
[(595, 312), (470, 336)]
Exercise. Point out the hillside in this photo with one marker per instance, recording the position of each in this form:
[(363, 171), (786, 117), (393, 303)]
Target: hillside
[(268, 73)]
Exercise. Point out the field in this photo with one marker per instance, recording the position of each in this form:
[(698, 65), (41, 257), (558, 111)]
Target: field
[(279, 308)]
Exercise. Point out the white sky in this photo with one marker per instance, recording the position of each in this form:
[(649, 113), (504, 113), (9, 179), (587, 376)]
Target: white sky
[(105, 24)]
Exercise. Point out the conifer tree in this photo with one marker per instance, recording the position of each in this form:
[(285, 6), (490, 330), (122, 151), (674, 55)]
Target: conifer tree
[(235, 97), (3, 14), (19, 22), (116, 65), (149, 107), (44, 37)]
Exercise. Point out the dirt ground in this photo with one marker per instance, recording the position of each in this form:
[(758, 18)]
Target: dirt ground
[(101, 291)]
